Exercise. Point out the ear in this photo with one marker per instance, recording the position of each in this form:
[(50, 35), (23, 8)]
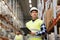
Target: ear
[(30, 14)]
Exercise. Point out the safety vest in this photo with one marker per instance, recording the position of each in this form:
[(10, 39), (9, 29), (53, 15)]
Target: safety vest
[(34, 27), (18, 37)]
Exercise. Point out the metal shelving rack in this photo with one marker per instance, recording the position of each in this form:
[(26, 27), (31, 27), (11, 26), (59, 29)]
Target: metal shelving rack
[(54, 5)]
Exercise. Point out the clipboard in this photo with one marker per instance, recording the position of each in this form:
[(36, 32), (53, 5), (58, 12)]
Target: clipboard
[(25, 30)]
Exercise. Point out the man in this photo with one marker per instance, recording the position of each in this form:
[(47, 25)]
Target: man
[(36, 25), (18, 36)]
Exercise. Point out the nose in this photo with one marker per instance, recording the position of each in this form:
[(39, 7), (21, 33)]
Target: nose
[(34, 14)]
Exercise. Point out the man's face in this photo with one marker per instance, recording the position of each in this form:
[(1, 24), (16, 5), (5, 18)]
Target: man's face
[(34, 14), (17, 33)]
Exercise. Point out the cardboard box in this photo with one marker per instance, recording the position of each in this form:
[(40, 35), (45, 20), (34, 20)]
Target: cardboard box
[(48, 17), (0, 38)]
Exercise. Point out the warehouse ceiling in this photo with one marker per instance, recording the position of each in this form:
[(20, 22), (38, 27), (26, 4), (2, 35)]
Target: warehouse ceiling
[(25, 8)]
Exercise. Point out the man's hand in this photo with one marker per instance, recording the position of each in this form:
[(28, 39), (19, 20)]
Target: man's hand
[(32, 33)]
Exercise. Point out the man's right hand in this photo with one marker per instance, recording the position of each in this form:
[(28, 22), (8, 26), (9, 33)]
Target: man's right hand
[(32, 33)]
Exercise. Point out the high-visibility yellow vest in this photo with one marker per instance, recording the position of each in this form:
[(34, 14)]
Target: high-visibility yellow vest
[(18, 37), (34, 27)]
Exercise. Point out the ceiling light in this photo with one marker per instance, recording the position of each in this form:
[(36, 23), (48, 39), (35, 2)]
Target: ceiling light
[(30, 1), (30, 5)]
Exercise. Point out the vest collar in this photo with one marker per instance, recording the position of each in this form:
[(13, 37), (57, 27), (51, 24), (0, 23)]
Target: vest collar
[(34, 20)]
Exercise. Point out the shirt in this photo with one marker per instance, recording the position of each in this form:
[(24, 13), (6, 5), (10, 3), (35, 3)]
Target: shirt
[(42, 31)]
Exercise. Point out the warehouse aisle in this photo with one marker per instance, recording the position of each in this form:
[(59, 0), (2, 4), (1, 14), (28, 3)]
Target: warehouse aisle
[(15, 13)]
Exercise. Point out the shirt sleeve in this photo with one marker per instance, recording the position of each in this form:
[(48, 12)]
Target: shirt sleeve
[(42, 31)]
